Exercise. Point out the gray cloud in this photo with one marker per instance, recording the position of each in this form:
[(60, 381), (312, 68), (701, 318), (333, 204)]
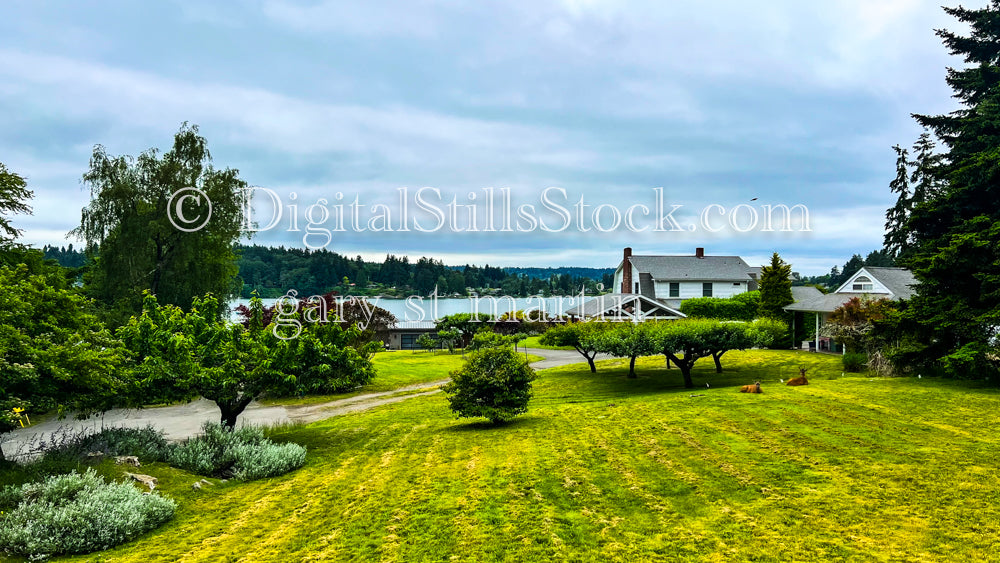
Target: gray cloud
[(789, 102)]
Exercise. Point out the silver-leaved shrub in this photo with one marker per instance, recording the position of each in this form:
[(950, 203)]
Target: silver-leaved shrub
[(77, 513), (244, 454)]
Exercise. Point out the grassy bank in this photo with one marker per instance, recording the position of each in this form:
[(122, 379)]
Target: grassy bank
[(604, 468)]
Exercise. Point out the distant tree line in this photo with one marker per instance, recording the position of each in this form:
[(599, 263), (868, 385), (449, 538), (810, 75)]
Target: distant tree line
[(271, 271), (67, 256)]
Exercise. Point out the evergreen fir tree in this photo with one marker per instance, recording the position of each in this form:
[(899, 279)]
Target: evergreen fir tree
[(955, 229), (775, 288)]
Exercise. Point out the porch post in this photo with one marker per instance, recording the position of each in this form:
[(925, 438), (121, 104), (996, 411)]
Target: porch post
[(817, 330), (793, 329)]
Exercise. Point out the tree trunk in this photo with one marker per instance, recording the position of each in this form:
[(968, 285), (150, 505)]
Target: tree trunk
[(718, 361), (686, 370), (157, 268), (231, 410), (631, 368), (590, 357), (229, 419), (685, 366)]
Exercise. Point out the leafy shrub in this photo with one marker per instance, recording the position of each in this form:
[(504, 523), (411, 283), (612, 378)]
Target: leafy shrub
[(495, 384), (449, 337), (148, 443), (489, 339), (326, 358), (972, 361), (243, 454), (54, 354), (740, 307), (852, 323), (627, 340), (427, 342), (66, 449), (582, 337), (464, 322), (77, 513), (854, 361), (769, 333), (267, 459)]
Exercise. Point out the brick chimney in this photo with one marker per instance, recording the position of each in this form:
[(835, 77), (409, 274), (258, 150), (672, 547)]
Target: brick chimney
[(699, 252), (627, 271)]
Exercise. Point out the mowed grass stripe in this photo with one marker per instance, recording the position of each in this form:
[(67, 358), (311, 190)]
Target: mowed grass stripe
[(633, 470)]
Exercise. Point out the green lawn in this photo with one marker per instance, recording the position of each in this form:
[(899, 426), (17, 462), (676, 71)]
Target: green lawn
[(406, 367), (603, 468), (397, 368)]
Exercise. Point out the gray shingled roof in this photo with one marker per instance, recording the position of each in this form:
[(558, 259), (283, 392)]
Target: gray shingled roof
[(413, 325), (900, 281), (709, 268), (810, 299)]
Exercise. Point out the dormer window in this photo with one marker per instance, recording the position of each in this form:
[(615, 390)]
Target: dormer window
[(862, 283)]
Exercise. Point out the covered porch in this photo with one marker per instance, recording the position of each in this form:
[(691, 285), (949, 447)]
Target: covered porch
[(822, 305)]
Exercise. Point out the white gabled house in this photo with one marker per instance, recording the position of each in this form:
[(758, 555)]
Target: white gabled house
[(876, 283), (675, 278), (653, 286)]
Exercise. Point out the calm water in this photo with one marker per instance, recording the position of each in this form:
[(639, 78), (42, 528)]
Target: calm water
[(427, 309)]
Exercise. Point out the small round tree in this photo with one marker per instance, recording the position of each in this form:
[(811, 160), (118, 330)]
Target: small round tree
[(495, 384), (428, 342), (449, 337)]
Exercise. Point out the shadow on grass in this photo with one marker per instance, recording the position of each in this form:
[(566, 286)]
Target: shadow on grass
[(576, 384), (522, 422)]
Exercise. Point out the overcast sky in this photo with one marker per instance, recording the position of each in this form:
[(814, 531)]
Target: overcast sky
[(789, 102)]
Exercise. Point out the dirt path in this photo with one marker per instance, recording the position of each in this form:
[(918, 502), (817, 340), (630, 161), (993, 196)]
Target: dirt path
[(556, 358), (312, 413), (183, 421)]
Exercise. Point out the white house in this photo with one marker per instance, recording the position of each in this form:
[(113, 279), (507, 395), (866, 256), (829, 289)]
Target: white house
[(876, 283), (675, 278), (653, 286)]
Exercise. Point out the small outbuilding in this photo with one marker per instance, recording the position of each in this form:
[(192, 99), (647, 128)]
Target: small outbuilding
[(404, 334)]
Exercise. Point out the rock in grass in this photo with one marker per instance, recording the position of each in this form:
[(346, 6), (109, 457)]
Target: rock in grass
[(147, 480), (127, 460)]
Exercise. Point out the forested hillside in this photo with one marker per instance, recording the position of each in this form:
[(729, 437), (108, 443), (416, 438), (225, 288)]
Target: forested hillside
[(273, 271)]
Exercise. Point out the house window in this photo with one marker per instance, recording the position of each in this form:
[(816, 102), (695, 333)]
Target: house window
[(706, 289), (636, 287), (863, 283), (675, 289)]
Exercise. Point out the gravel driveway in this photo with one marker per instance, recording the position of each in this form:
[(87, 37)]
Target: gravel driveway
[(182, 421)]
